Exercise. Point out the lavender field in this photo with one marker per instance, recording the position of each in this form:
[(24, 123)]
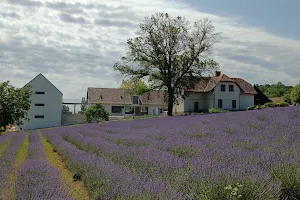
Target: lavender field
[(228, 156)]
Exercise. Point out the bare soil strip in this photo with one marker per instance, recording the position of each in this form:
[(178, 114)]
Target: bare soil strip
[(77, 189)]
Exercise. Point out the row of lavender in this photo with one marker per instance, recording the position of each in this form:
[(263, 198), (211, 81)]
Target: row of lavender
[(173, 156), (8, 157), (36, 178)]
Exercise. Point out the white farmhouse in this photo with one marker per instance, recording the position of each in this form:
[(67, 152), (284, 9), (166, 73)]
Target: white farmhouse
[(119, 103), (45, 108), (220, 92)]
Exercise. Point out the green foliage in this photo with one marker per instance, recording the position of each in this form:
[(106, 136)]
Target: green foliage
[(289, 179), (295, 94), (274, 90), (182, 151), (96, 113), (287, 98), (134, 86), (65, 109), (273, 105), (14, 104), (169, 52), (216, 110), (229, 190)]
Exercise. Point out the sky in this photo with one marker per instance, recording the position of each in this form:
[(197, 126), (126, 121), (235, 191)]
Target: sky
[(75, 43)]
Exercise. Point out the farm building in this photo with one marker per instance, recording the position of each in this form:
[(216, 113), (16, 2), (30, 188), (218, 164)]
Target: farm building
[(45, 108), (220, 92), (118, 103)]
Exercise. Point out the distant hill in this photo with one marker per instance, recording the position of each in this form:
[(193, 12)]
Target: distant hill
[(274, 90)]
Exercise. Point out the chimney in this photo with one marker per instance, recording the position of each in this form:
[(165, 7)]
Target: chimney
[(218, 73)]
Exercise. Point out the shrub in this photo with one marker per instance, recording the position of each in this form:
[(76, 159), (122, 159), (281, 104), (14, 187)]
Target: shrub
[(284, 104), (96, 113), (216, 110), (273, 104), (270, 104)]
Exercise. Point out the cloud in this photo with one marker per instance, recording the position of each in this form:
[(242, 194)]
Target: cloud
[(75, 43), (68, 18), (10, 15), (114, 23), (27, 3)]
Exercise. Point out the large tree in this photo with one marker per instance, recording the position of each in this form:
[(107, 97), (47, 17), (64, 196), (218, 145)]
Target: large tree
[(14, 104), (171, 52)]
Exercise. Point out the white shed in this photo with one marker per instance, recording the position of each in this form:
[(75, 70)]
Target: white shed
[(46, 102)]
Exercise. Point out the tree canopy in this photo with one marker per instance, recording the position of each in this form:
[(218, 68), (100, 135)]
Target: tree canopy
[(295, 94), (14, 104), (275, 90), (65, 108), (96, 113), (134, 86), (171, 52)]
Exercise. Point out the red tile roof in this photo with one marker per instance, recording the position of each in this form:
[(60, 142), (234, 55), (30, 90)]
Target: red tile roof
[(206, 84), (119, 96)]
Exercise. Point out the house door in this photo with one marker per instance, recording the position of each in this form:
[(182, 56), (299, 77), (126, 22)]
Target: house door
[(233, 104), (137, 111), (196, 106)]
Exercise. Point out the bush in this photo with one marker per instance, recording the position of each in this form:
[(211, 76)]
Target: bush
[(96, 113), (216, 110), (273, 104), (270, 104), (284, 104)]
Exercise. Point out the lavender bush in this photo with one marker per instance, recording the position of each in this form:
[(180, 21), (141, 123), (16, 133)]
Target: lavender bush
[(233, 155), (36, 178), (8, 158), (195, 155)]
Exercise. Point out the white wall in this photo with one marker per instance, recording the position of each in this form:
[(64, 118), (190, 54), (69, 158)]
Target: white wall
[(227, 96), (247, 100), (187, 105), (52, 108)]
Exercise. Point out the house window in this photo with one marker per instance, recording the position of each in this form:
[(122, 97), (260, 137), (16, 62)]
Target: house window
[(39, 116), (39, 104), (101, 97), (233, 103), (220, 103), (223, 88), (39, 92), (135, 100), (121, 97), (116, 109), (231, 88)]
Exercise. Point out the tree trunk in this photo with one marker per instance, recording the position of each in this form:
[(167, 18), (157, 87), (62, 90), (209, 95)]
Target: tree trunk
[(170, 102)]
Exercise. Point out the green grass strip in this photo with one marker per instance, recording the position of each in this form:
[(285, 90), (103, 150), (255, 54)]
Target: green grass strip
[(20, 159), (77, 190)]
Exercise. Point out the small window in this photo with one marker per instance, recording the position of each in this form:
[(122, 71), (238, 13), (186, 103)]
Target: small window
[(39, 104), (39, 92), (135, 100), (220, 103), (100, 96), (233, 103), (121, 97), (223, 88), (39, 116), (231, 88)]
